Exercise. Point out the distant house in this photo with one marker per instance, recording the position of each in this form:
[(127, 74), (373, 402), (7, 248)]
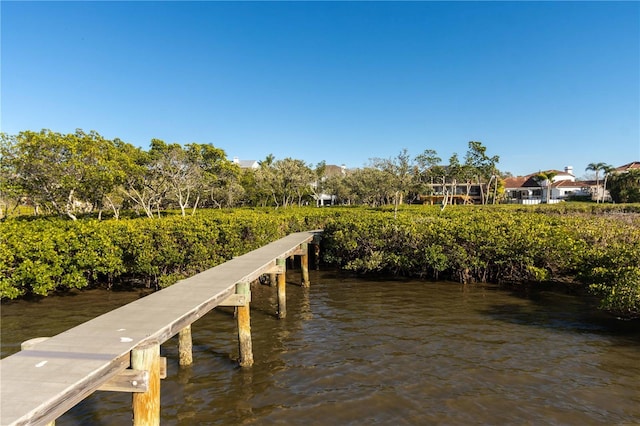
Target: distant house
[(445, 190), (599, 189), (246, 164), (530, 190), (523, 190), (323, 199), (453, 193)]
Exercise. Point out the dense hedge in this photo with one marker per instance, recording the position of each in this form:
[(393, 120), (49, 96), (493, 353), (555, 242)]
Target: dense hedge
[(599, 251), (39, 256), (595, 247)]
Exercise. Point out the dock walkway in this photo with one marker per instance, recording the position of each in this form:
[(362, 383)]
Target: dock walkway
[(39, 384)]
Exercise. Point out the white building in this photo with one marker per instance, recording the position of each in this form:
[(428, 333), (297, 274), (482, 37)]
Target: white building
[(246, 164), (531, 190)]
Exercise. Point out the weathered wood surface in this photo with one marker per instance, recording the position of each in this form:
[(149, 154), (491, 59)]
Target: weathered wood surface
[(146, 405), (282, 288), (243, 318), (304, 264), (185, 346), (41, 383)]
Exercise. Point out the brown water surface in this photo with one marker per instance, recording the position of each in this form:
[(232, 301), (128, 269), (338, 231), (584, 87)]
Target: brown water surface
[(354, 352)]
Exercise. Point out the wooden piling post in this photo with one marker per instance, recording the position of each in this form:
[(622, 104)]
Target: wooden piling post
[(146, 405), (244, 328), (282, 288), (304, 264), (185, 346)]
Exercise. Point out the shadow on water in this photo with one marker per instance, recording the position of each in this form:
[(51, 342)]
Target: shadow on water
[(560, 310), (551, 307)]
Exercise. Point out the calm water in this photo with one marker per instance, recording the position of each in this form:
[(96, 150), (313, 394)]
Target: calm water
[(354, 352)]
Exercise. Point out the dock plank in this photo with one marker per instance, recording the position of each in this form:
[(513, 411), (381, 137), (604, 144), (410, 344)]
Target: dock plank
[(39, 384)]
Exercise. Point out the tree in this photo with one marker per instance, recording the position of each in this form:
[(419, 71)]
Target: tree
[(172, 166), (143, 186), (267, 183), (368, 186), (67, 174), (547, 178), (428, 159), (401, 175), (268, 161), (258, 182), (285, 181), (187, 175), (483, 165), (11, 192), (297, 179), (596, 167), (336, 185), (226, 189), (461, 173), (218, 178), (427, 163), (109, 175), (252, 193), (318, 186), (625, 187)]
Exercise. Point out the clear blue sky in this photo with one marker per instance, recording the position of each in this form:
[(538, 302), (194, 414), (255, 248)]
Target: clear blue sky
[(541, 84)]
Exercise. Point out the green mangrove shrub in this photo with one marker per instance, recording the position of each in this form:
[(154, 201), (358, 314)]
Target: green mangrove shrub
[(45, 255), (600, 252), (595, 247)]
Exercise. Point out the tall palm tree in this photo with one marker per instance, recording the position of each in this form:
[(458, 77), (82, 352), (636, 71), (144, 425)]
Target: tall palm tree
[(548, 178), (596, 167), (607, 169)]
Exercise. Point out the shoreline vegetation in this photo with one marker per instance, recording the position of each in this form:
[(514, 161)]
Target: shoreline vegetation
[(592, 249)]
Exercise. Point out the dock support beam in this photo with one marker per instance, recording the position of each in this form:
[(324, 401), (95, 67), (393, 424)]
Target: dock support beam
[(185, 346), (304, 264), (146, 405), (244, 327), (282, 288)]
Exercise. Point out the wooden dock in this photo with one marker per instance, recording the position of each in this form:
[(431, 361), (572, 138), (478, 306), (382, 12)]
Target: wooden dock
[(119, 350)]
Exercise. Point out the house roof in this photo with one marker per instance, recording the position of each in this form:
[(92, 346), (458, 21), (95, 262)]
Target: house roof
[(516, 181), (333, 170), (566, 180), (569, 184), (246, 164), (530, 181), (628, 166)]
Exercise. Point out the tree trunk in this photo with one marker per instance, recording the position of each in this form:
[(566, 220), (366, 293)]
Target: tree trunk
[(481, 190), (548, 191), (68, 208), (195, 205)]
